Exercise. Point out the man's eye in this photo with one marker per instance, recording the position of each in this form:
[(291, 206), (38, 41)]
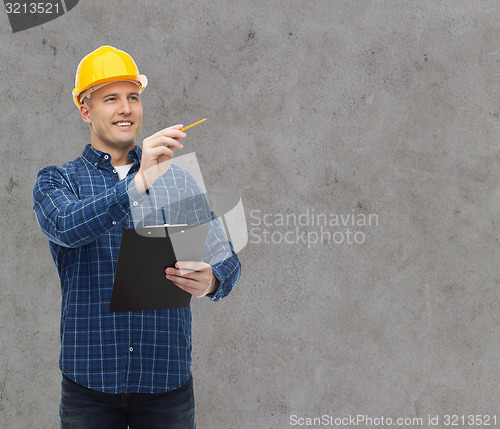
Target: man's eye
[(111, 99), (134, 97)]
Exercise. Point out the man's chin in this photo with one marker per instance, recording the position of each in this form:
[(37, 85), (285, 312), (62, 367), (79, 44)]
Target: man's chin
[(127, 145), (124, 140)]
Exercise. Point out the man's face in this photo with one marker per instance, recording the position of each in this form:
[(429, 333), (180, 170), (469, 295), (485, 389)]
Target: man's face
[(115, 116)]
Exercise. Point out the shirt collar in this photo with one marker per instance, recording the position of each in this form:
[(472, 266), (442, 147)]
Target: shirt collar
[(103, 159)]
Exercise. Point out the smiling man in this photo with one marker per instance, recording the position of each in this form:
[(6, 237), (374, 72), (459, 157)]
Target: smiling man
[(124, 369)]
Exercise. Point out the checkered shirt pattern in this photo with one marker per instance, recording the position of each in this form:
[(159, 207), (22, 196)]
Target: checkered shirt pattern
[(82, 208)]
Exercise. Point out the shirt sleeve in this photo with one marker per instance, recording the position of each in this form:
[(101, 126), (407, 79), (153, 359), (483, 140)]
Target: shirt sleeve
[(228, 273), (72, 222), (219, 252)]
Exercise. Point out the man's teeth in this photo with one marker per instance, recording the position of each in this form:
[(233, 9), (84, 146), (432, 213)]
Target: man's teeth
[(123, 124)]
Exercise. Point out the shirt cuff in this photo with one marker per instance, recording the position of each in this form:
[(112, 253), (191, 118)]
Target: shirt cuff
[(135, 197), (219, 293)]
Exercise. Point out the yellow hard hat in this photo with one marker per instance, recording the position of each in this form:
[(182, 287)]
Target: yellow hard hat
[(105, 65)]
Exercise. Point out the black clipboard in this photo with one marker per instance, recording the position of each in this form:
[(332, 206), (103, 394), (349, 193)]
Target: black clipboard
[(140, 282)]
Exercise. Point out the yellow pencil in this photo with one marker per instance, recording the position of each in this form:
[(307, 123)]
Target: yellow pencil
[(192, 125)]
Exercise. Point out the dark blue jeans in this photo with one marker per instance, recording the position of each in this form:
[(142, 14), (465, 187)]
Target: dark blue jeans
[(83, 408)]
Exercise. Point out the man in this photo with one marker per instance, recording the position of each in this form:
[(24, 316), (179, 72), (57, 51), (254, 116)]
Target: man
[(124, 368)]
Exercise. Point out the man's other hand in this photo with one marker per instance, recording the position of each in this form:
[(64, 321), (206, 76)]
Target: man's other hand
[(195, 278)]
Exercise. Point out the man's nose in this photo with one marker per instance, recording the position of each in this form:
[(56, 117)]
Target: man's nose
[(124, 107)]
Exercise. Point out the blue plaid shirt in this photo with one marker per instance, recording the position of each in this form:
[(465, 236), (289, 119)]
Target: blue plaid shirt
[(82, 208)]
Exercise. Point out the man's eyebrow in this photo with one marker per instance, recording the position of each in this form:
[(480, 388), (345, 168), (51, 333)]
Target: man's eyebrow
[(114, 94)]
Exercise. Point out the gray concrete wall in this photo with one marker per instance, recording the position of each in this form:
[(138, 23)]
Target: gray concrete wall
[(321, 107)]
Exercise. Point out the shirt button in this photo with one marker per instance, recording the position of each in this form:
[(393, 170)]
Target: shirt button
[(106, 156), (136, 203), (131, 349), (95, 164), (114, 171), (114, 222)]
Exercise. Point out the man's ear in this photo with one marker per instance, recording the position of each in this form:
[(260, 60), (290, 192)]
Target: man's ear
[(85, 113)]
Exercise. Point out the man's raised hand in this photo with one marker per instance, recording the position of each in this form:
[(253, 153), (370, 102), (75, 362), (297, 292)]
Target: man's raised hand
[(157, 153)]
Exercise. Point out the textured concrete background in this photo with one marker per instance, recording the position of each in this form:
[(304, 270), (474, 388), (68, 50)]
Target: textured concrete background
[(388, 108)]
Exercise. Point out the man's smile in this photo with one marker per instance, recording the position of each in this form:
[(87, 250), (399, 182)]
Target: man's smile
[(123, 124)]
